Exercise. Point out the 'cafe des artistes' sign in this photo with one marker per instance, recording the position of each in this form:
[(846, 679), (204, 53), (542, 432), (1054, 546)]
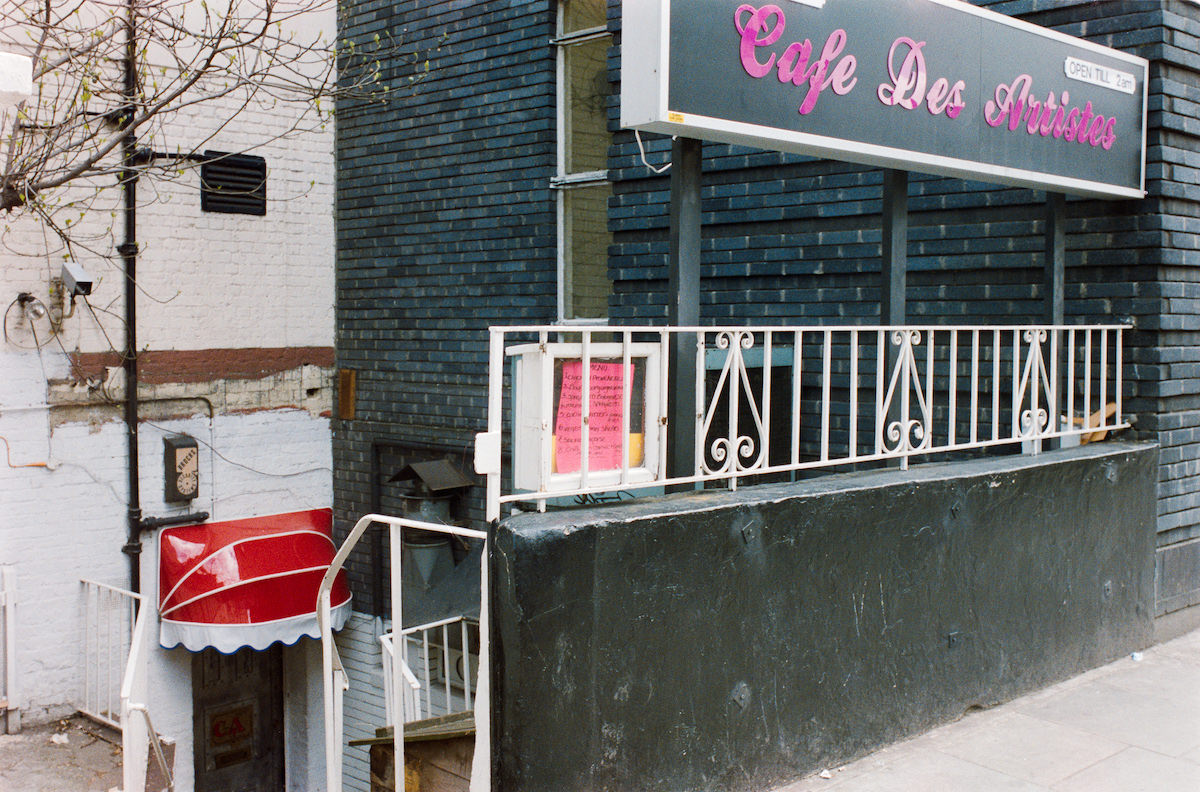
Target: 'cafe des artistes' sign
[(936, 86)]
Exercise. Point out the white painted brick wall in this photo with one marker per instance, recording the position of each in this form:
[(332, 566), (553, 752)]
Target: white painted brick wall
[(272, 275), (68, 522), (205, 281)]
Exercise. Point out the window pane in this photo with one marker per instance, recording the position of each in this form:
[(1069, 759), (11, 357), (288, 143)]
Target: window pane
[(584, 113), (585, 264), (582, 14)]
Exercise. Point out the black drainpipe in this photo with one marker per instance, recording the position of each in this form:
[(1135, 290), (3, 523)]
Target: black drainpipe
[(129, 250)]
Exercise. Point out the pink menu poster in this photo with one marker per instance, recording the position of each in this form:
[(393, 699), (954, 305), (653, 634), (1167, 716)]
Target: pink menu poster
[(605, 389)]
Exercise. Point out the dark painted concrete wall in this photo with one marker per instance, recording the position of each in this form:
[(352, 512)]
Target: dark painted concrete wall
[(722, 641)]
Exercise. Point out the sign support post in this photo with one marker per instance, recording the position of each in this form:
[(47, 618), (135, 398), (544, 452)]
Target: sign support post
[(894, 271), (683, 303), (1054, 267), (1056, 256)]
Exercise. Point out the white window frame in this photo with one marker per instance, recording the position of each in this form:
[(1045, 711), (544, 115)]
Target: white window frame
[(563, 180)]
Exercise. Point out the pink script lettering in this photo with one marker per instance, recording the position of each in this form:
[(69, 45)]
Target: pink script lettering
[(1012, 104), (764, 27), (908, 84)]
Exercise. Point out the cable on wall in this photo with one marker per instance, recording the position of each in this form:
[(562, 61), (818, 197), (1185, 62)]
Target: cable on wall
[(642, 151), (8, 457), (224, 458)]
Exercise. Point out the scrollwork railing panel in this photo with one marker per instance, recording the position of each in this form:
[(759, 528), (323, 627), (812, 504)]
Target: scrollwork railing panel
[(776, 400)]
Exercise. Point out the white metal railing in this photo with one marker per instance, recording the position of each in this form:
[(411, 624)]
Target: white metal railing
[(447, 668), (108, 626), (160, 756), (336, 681), (410, 693), (774, 400), (137, 728), (10, 712)]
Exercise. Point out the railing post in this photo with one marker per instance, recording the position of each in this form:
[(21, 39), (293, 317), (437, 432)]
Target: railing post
[(396, 542), (698, 417), (333, 747), (907, 363), (487, 448), (1055, 386), (1120, 373), (136, 733), (8, 598), (334, 679)]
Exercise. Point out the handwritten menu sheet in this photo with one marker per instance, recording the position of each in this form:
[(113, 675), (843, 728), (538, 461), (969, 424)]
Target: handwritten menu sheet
[(605, 385)]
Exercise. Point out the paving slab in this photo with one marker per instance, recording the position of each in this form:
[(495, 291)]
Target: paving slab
[(1135, 769), (924, 769), (1154, 722), (1028, 748)]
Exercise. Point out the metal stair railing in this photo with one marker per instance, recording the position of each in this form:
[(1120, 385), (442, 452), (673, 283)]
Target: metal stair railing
[(775, 400), (108, 635), (336, 682), (412, 693), (432, 645), (137, 733)]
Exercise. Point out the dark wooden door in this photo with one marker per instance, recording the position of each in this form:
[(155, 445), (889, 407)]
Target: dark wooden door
[(238, 717)]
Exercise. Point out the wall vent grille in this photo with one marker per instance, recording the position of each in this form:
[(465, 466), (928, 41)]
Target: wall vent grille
[(233, 183)]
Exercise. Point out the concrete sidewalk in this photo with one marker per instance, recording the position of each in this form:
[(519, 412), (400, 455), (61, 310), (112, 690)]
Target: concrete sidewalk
[(1130, 726), (69, 755)]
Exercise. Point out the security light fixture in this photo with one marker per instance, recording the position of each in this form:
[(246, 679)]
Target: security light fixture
[(33, 307)]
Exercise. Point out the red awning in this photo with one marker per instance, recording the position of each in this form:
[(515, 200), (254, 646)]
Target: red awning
[(246, 582)]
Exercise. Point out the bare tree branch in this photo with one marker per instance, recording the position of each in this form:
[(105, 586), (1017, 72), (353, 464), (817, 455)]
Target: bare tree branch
[(232, 55)]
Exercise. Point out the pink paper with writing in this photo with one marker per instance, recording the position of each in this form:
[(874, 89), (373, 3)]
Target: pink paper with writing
[(604, 421)]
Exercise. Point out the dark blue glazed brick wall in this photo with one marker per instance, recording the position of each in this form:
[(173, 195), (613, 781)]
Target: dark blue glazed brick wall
[(789, 239), (446, 224)]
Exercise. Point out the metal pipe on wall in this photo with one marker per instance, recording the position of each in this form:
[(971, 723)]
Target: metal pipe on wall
[(129, 250)]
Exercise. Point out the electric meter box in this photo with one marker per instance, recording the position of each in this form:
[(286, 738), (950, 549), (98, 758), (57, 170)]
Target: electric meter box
[(624, 392), (181, 468)]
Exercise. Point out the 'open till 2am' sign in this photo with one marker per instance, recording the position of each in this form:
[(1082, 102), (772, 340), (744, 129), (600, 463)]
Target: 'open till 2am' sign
[(936, 86)]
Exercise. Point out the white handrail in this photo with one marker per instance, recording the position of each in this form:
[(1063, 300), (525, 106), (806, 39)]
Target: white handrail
[(388, 654), (418, 638), (137, 734), (335, 681), (158, 751)]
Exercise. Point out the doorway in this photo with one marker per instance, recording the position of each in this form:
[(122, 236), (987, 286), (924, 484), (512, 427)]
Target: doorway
[(238, 720)]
